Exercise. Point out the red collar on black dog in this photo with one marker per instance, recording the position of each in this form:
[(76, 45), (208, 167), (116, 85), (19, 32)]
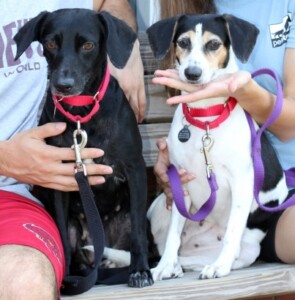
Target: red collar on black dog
[(220, 110), (83, 100)]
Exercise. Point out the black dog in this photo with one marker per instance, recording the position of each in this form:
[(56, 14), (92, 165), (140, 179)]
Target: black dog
[(76, 43)]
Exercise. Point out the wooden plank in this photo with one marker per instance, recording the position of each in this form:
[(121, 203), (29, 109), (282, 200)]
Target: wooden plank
[(150, 64), (150, 133), (157, 109), (258, 280)]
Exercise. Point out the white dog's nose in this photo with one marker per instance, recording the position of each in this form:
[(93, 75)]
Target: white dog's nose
[(193, 73)]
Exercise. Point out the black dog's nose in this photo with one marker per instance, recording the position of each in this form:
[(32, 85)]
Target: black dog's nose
[(65, 85), (193, 73)]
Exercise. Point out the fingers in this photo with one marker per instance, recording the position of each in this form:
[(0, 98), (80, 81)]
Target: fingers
[(68, 154), (65, 180), (48, 130)]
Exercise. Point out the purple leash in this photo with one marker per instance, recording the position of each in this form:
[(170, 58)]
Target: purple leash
[(207, 207), (256, 147), (178, 197)]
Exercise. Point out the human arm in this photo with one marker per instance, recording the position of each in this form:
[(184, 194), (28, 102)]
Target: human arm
[(118, 8), (131, 77), (27, 158), (251, 96)]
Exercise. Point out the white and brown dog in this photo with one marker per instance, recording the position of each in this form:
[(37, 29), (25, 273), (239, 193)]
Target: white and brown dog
[(229, 237)]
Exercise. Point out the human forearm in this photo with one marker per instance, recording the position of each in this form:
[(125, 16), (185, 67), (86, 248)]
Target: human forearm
[(122, 10), (252, 97), (260, 103)]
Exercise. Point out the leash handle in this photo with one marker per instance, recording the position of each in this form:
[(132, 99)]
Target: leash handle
[(256, 146), (177, 192)]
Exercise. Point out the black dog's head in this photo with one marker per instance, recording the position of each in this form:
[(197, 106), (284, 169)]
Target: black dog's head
[(203, 43), (76, 43)]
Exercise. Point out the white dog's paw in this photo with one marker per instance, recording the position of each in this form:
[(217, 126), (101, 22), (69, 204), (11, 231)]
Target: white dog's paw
[(215, 271), (166, 270)]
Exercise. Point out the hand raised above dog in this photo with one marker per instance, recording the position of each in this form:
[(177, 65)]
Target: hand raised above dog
[(228, 85)]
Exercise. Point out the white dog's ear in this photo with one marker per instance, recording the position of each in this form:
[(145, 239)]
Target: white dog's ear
[(161, 35), (28, 33), (242, 35)]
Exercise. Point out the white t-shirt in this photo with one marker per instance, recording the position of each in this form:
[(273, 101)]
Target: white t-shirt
[(23, 82)]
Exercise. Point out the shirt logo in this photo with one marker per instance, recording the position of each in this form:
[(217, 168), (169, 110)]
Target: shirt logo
[(279, 32)]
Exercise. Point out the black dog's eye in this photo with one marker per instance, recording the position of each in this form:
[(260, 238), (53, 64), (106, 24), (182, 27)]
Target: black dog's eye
[(88, 46), (50, 45), (184, 43), (213, 45)]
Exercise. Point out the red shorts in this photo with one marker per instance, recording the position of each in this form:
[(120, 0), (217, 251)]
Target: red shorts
[(25, 222)]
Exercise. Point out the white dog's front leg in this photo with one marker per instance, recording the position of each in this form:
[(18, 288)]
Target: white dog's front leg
[(240, 209), (169, 265)]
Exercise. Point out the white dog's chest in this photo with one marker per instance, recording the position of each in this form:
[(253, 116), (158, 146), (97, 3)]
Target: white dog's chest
[(229, 156)]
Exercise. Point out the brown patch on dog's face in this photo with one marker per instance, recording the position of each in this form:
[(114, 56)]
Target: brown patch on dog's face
[(184, 45), (214, 50)]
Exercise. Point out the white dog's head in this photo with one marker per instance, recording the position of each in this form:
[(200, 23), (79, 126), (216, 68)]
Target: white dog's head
[(205, 45)]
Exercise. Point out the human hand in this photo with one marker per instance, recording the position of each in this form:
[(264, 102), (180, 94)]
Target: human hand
[(131, 80), (229, 85), (27, 158), (161, 168)]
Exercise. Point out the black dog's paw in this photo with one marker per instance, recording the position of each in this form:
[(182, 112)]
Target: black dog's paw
[(140, 279)]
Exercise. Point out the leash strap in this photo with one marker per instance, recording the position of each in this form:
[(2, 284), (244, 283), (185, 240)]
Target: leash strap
[(73, 285), (178, 197), (256, 146)]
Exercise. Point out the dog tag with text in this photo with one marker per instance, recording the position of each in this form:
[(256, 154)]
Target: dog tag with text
[(184, 134)]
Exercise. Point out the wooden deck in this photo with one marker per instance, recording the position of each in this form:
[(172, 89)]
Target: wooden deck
[(256, 281)]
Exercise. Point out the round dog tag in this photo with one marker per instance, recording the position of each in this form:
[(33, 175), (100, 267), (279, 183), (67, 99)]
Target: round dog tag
[(184, 134)]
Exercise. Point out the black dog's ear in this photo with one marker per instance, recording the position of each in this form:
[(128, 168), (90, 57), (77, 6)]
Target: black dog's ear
[(242, 35), (120, 39), (161, 35), (28, 33)]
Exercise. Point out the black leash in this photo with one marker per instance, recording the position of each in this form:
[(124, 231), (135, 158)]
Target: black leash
[(73, 285)]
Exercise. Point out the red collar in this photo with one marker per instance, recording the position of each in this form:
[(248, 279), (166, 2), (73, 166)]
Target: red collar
[(83, 100), (220, 110)]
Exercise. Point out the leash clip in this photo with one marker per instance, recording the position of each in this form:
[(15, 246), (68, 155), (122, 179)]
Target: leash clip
[(80, 166), (208, 142)]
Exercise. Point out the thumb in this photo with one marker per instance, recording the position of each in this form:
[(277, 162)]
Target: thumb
[(49, 129), (161, 144)]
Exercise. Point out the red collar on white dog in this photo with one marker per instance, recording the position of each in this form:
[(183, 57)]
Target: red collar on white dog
[(220, 110), (83, 100)]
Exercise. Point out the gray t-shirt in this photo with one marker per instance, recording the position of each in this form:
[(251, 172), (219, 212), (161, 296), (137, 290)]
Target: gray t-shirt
[(23, 82)]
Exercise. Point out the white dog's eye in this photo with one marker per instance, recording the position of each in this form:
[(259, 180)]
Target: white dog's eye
[(184, 43), (212, 45)]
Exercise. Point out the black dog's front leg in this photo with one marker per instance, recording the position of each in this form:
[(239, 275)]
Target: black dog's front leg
[(140, 275)]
